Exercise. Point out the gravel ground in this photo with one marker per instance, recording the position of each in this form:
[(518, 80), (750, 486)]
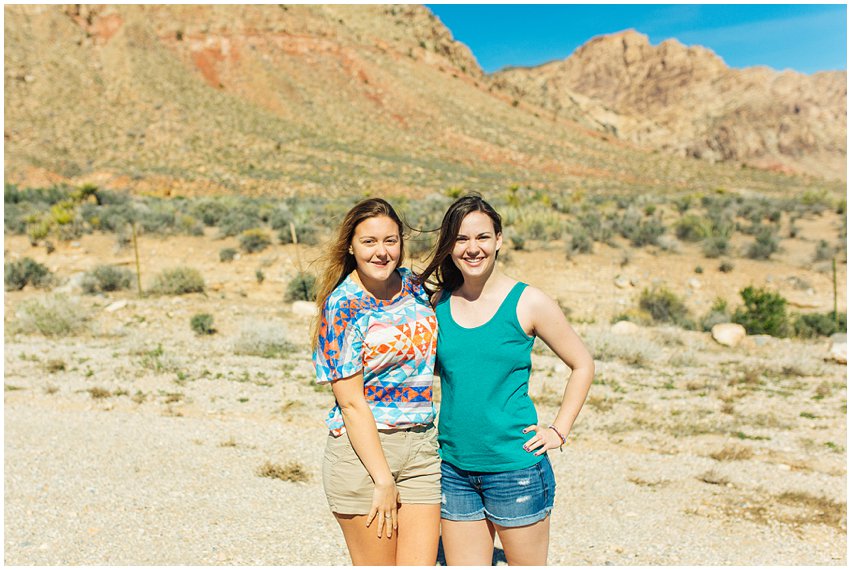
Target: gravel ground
[(91, 485)]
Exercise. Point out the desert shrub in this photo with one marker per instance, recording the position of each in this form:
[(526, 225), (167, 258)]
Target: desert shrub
[(104, 278), (305, 234), (51, 316), (209, 211), (259, 276), (580, 242), (227, 254), (823, 251), (764, 312), (202, 324), (726, 267), (715, 246), (764, 245), (254, 240), (664, 307), (302, 287), (812, 325), (718, 313), (638, 231), (263, 339), (188, 225), (18, 274), (693, 228), (237, 221), (635, 350), (600, 229), (517, 242), (178, 281)]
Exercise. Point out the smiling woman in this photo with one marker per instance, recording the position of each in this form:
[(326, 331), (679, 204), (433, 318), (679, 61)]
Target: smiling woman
[(375, 342), (495, 477)]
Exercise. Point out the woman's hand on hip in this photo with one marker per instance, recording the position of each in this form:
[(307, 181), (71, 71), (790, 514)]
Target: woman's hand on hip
[(385, 501), (543, 440)]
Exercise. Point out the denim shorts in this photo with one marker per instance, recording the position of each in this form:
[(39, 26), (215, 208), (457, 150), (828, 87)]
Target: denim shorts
[(507, 498)]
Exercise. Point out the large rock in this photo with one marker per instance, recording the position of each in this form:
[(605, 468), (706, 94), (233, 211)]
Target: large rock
[(625, 328), (304, 308), (839, 348), (728, 334)]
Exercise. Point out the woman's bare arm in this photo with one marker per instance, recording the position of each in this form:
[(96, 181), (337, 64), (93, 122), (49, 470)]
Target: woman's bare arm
[(363, 433), (549, 324)]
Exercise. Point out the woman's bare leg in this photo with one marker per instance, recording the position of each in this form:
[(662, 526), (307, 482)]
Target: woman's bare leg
[(526, 545), (365, 548), (419, 533), (467, 543)]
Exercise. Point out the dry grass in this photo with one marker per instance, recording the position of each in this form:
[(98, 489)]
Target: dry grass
[(50, 389), (230, 442), (732, 453), (712, 477), (601, 403), (645, 483), (98, 393), (293, 471), (55, 365), (793, 508)]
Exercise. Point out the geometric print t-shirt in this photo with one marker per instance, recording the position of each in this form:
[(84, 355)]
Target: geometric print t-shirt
[(393, 342)]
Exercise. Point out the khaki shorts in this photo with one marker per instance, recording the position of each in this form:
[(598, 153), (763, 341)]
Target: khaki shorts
[(413, 460)]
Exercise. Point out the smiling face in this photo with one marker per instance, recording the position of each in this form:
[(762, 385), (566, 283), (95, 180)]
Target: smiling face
[(476, 245), (376, 247)]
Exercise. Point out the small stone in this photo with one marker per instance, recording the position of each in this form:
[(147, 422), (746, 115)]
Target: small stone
[(116, 306), (622, 282), (625, 328), (694, 283), (75, 244), (839, 352), (784, 467), (728, 334)]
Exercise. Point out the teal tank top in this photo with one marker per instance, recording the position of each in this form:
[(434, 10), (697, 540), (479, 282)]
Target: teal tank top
[(484, 383)]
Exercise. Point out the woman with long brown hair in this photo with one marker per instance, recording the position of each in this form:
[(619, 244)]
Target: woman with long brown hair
[(375, 343), (495, 476)]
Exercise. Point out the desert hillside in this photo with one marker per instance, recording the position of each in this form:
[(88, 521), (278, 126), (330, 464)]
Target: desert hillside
[(348, 99), (686, 100)]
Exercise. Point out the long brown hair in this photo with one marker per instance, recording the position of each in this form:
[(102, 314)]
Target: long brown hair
[(338, 262), (447, 277)]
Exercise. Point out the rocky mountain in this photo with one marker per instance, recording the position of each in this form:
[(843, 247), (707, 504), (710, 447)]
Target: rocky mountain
[(337, 99), (688, 101)]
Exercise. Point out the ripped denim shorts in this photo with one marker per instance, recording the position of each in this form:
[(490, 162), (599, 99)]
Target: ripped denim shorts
[(507, 498)]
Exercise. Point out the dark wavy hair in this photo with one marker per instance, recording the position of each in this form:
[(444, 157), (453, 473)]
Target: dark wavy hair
[(447, 277)]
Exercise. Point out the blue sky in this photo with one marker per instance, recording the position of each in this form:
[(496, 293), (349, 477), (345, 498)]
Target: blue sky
[(806, 38)]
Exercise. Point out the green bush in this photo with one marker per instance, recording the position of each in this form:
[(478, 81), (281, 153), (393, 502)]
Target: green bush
[(718, 313), (764, 312), (600, 229), (202, 324), (302, 287), (17, 274), (104, 278), (665, 307), (51, 316), (812, 325), (693, 228), (726, 267), (227, 254), (178, 281), (254, 240), (765, 244)]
